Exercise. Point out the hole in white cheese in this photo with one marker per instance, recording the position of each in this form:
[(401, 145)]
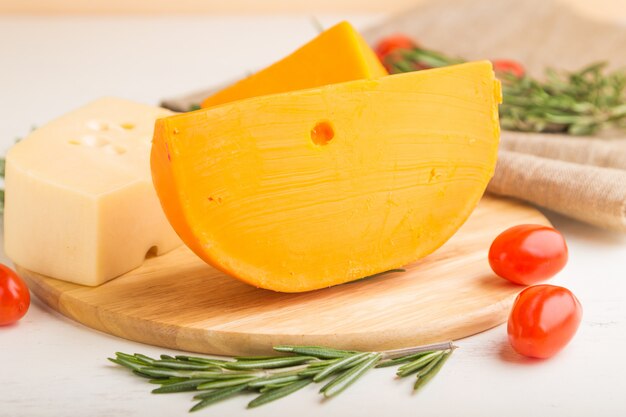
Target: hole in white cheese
[(97, 125), (115, 149), (94, 141), (127, 126)]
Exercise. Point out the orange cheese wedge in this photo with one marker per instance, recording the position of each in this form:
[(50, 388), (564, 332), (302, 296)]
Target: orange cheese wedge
[(336, 55), (303, 190)]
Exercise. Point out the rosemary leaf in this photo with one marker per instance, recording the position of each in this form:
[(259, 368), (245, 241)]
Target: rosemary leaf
[(209, 394), (174, 364), (346, 379), (418, 364), (424, 376), (141, 374), (316, 351), (277, 393), (309, 372), (344, 363), (186, 385), (273, 386), (227, 382), (274, 380), (216, 362), (147, 359), (322, 363), (401, 360), (164, 372), (166, 381), (131, 358), (253, 358), (276, 362), (405, 352), (217, 395), (133, 366)]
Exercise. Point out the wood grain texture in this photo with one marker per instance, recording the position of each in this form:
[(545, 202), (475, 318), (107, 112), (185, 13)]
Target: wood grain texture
[(179, 302)]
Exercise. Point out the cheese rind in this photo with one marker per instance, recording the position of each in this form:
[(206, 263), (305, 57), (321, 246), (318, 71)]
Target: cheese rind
[(304, 190), (336, 55), (80, 205)]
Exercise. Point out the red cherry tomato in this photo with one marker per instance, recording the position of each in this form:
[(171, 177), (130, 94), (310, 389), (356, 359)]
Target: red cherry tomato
[(510, 66), (543, 320), (14, 296), (528, 253), (392, 43)]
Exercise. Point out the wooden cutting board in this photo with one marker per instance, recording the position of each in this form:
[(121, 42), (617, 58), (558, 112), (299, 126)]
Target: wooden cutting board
[(179, 302)]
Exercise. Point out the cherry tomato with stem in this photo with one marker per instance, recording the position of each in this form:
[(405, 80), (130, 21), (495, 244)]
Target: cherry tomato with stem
[(14, 296), (508, 66), (393, 43), (543, 320), (528, 253)]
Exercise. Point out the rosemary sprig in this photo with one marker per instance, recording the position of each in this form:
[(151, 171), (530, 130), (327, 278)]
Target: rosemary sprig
[(581, 102), (274, 377)]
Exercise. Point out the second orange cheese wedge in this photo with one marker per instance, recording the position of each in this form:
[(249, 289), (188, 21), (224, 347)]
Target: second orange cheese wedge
[(307, 189), (336, 55)]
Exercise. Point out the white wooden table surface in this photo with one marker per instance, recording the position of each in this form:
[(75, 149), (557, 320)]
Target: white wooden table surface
[(51, 366)]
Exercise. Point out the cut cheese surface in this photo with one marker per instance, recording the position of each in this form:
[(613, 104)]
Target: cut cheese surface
[(80, 204), (303, 190), (336, 55)]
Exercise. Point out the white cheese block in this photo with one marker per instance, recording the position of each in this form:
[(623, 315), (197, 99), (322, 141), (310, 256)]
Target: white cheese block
[(80, 205)]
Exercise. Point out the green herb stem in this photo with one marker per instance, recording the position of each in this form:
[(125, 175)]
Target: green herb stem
[(275, 377)]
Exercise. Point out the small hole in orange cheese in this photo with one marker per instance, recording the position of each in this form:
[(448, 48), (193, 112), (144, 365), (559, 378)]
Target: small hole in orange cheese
[(152, 252), (322, 133)]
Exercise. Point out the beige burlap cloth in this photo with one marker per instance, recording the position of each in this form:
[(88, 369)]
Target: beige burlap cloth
[(583, 178)]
